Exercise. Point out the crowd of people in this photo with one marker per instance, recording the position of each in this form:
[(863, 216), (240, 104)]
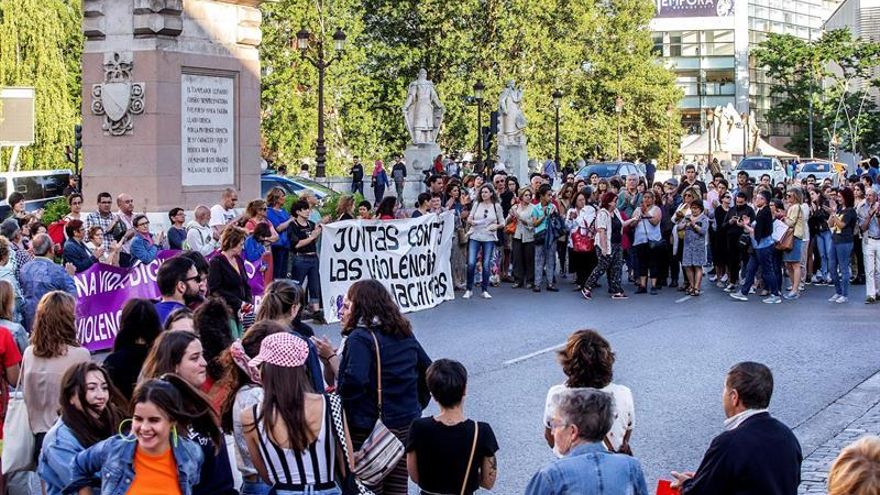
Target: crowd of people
[(203, 364)]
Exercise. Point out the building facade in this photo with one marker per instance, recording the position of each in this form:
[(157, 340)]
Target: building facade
[(708, 44)]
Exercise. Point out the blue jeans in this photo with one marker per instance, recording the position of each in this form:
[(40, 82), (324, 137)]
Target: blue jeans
[(545, 264), (254, 488), (378, 193), (487, 247), (307, 266), (839, 262), (357, 187), (761, 258), (823, 243)]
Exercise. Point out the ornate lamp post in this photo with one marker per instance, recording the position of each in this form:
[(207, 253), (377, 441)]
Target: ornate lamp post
[(478, 97), (618, 108), (557, 102), (710, 117), (302, 44)]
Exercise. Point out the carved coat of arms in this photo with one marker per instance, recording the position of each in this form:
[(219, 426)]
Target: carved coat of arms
[(117, 98)]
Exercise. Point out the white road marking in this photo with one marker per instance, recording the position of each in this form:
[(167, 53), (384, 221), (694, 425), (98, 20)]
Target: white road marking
[(533, 354), (683, 299)]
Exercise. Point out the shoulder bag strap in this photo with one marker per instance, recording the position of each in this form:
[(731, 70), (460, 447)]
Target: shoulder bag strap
[(608, 444), (467, 472), (378, 373)]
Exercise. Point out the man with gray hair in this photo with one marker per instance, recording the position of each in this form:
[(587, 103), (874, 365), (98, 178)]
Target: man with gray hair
[(579, 424), (41, 276)]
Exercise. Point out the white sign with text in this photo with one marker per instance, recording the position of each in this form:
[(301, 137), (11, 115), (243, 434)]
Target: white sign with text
[(207, 130)]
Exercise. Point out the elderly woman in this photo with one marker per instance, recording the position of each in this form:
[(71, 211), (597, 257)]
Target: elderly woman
[(145, 247), (75, 250), (227, 277), (588, 361), (579, 424), (104, 254)]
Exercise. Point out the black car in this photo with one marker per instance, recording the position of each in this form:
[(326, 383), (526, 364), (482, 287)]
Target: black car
[(606, 170)]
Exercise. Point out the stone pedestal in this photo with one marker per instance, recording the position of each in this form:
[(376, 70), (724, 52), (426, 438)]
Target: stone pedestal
[(171, 100), (419, 157), (516, 158)]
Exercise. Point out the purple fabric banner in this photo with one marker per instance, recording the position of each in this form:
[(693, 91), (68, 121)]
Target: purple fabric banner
[(103, 290)]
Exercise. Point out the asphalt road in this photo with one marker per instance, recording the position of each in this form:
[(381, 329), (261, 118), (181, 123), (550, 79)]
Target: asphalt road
[(672, 353)]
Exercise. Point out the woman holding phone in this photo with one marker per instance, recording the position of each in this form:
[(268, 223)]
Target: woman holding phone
[(843, 224)]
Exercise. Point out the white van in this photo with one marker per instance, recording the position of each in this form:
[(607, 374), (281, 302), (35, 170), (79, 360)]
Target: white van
[(37, 186)]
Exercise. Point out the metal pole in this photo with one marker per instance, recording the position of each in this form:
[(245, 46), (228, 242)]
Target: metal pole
[(320, 149), (710, 144), (556, 156), (669, 146), (479, 134), (618, 136), (811, 98)]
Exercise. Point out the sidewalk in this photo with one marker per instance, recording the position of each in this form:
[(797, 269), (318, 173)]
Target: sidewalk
[(853, 415)]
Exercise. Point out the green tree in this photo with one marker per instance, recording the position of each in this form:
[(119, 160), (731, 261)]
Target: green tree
[(41, 46), (823, 72)]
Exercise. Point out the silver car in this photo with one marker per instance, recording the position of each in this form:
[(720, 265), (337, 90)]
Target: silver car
[(819, 170), (756, 166)]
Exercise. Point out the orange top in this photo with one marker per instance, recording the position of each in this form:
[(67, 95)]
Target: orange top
[(154, 475)]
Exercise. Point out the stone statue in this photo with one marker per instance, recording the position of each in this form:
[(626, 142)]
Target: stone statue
[(422, 110), (754, 132), (511, 120)]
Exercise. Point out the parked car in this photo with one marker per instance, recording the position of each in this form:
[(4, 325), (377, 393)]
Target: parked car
[(606, 170), (820, 170), (38, 187), (756, 166), (293, 185)]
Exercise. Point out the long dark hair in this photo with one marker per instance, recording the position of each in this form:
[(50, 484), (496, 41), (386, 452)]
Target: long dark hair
[(235, 378), (182, 403), (167, 353), (386, 206), (372, 307), (284, 392), (88, 429), (138, 321), (211, 323)]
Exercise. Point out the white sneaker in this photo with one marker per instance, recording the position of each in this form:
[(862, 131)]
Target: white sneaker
[(842, 300), (725, 278), (713, 278), (467, 294), (486, 295), (773, 300), (834, 298)]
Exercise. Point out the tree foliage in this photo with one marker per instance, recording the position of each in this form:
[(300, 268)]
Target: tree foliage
[(41, 46), (823, 71), (591, 51)]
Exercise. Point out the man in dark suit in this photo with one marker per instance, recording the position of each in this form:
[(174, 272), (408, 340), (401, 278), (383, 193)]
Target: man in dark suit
[(757, 454)]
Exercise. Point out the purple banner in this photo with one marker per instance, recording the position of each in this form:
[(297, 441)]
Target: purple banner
[(103, 290), (695, 8)]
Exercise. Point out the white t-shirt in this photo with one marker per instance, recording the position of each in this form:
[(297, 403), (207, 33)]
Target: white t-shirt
[(624, 410), (221, 216), (805, 217)]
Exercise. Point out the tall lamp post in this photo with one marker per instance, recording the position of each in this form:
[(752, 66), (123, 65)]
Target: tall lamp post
[(710, 117), (478, 97), (618, 108), (670, 111), (302, 44), (557, 102)]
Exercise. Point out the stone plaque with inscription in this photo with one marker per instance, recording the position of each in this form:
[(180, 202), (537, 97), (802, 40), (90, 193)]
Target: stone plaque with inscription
[(207, 130)]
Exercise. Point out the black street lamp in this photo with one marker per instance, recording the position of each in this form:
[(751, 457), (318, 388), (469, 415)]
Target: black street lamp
[(618, 108), (478, 97), (302, 44), (557, 102)]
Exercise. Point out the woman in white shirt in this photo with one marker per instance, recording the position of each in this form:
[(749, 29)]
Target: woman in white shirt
[(485, 219), (581, 219), (588, 361)]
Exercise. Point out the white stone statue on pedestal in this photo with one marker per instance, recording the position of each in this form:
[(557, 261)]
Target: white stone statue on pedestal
[(511, 132), (422, 110)]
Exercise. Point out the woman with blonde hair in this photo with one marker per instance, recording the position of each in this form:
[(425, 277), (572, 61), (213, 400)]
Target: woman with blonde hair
[(54, 348), (7, 315), (345, 208), (856, 471)]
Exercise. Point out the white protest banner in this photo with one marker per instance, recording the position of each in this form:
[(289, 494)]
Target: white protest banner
[(411, 257)]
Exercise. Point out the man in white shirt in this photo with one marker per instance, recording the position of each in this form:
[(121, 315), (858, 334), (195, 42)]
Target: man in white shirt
[(223, 213), (199, 235)]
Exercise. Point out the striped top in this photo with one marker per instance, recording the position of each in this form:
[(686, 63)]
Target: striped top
[(312, 466)]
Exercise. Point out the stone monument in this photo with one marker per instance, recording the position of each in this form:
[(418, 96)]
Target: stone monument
[(512, 149), (171, 100), (423, 114)]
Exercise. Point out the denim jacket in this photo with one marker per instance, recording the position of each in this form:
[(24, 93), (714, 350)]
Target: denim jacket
[(590, 468), (59, 448), (113, 460)]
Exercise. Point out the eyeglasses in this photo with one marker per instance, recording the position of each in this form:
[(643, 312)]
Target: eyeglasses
[(142, 224), (74, 203), (197, 278)]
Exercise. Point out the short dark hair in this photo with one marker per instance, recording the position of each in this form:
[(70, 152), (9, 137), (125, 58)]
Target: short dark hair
[(690, 167), (422, 199), (753, 382), (198, 260), (299, 206), (434, 178), (765, 175), (447, 380), (724, 181), (262, 232), (15, 198), (544, 189), (72, 226), (173, 213), (366, 204), (171, 272), (104, 195)]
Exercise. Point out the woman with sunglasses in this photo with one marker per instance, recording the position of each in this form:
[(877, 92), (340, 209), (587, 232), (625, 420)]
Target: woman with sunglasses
[(145, 246), (157, 456), (91, 410), (794, 219)]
